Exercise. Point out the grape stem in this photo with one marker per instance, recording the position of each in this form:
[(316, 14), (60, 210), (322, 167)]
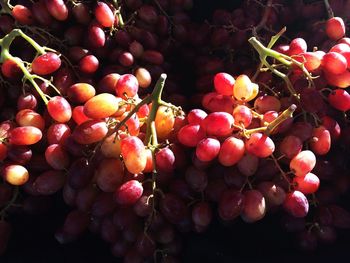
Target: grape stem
[(6, 7), (118, 13), (273, 40), (286, 114), (10, 203), (151, 139), (283, 173), (264, 18), (265, 52), (328, 9), (5, 44)]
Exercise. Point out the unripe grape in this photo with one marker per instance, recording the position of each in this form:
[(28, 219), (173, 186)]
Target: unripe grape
[(242, 89)]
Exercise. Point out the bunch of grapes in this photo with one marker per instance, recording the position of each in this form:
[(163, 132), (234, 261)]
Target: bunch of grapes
[(262, 126)]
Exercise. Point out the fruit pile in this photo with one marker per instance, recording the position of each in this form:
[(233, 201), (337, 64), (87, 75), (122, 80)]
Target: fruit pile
[(150, 124)]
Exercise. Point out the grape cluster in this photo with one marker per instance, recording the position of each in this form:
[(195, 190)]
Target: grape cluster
[(93, 118)]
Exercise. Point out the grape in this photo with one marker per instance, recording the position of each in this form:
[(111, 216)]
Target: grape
[(46, 64), (196, 116), (231, 151), (303, 163), (223, 83), (164, 122), (90, 131), (104, 204), (143, 77), (260, 145), (290, 146), (242, 115), (27, 101), (80, 92), (196, 179), (242, 89), (218, 124), (15, 174), (57, 8), (101, 106), (340, 99), (49, 182), (297, 46), (307, 184), (340, 48), (81, 13), (335, 28), (104, 14), (57, 133), (96, 36), (202, 214), (129, 192), (57, 157), (22, 14), (231, 204), (254, 206), (89, 64), (148, 14), (19, 154), (134, 154), (173, 208), (59, 109), (320, 142), (80, 173), (207, 149), (311, 60), (27, 117), (334, 63), (26, 135), (109, 174), (127, 86), (296, 204), (152, 57), (110, 147), (267, 103), (3, 151), (248, 164), (302, 130), (165, 160), (274, 195), (338, 80), (78, 115), (190, 135)]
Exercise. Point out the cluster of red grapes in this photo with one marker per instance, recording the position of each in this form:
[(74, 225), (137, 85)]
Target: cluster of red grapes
[(83, 121)]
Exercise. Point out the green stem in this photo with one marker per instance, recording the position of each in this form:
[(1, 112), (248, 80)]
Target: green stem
[(265, 52), (156, 102), (288, 113), (273, 40), (6, 7), (146, 100), (118, 13), (7, 40), (27, 74)]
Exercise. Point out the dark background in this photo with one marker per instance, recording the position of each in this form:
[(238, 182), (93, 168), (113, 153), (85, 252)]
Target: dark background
[(33, 236)]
